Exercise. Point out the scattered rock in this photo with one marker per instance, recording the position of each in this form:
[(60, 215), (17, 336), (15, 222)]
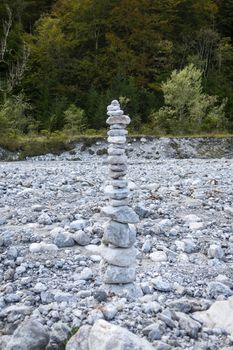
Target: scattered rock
[(215, 289)]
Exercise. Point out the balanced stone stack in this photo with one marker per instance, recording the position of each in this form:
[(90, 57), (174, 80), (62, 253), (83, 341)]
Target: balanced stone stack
[(117, 250)]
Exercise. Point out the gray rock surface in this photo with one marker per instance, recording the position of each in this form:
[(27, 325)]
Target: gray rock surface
[(30, 335), (105, 336)]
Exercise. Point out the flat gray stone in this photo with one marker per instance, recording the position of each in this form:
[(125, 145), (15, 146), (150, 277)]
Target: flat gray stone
[(161, 285), (131, 291), (120, 235), (119, 256), (117, 126), (117, 174), (118, 119), (112, 151), (117, 132), (117, 139), (116, 113), (117, 159), (116, 274), (116, 193), (124, 215), (119, 183), (119, 167), (118, 202)]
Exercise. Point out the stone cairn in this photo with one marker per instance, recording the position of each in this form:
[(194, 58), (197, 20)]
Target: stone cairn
[(117, 250)]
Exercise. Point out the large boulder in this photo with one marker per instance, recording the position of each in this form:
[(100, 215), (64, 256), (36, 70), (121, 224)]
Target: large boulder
[(219, 315), (79, 341), (30, 335), (106, 336)]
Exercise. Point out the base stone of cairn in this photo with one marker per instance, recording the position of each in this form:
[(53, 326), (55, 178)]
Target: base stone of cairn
[(118, 264)]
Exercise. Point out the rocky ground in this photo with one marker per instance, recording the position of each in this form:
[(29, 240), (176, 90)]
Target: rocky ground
[(51, 229)]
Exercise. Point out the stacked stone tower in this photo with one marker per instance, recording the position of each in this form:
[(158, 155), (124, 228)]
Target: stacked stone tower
[(118, 251)]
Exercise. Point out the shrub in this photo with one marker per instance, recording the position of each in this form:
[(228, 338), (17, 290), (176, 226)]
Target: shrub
[(75, 120), (187, 108)]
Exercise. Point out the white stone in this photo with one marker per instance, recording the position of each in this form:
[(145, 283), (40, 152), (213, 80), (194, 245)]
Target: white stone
[(109, 311), (34, 247), (158, 256), (191, 218), (215, 251), (39, 287), (196, 225), (86, 274)]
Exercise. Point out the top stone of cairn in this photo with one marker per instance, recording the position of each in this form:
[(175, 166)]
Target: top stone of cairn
[(116, 115)]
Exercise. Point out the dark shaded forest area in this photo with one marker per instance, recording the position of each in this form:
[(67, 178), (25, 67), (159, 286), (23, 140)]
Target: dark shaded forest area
[(169, 62)]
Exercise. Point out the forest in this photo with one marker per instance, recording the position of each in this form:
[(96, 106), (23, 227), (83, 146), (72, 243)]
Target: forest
[(169, 62)]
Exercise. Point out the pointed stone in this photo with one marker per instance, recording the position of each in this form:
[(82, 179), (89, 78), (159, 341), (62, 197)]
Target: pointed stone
[(120, 235), (125, 215)]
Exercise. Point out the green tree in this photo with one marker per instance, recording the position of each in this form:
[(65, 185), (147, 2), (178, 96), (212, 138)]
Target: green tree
[(75, 120), (187, 108), (13, 115)]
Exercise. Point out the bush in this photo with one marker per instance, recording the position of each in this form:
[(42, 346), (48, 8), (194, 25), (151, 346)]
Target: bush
[(13, 115), (187, 109), (75, 120)]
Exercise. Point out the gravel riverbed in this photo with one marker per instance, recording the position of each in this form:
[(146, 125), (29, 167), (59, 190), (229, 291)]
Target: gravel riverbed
[(51, 229)]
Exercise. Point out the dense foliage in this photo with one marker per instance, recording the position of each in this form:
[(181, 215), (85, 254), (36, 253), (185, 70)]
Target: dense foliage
[(62, 61)]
